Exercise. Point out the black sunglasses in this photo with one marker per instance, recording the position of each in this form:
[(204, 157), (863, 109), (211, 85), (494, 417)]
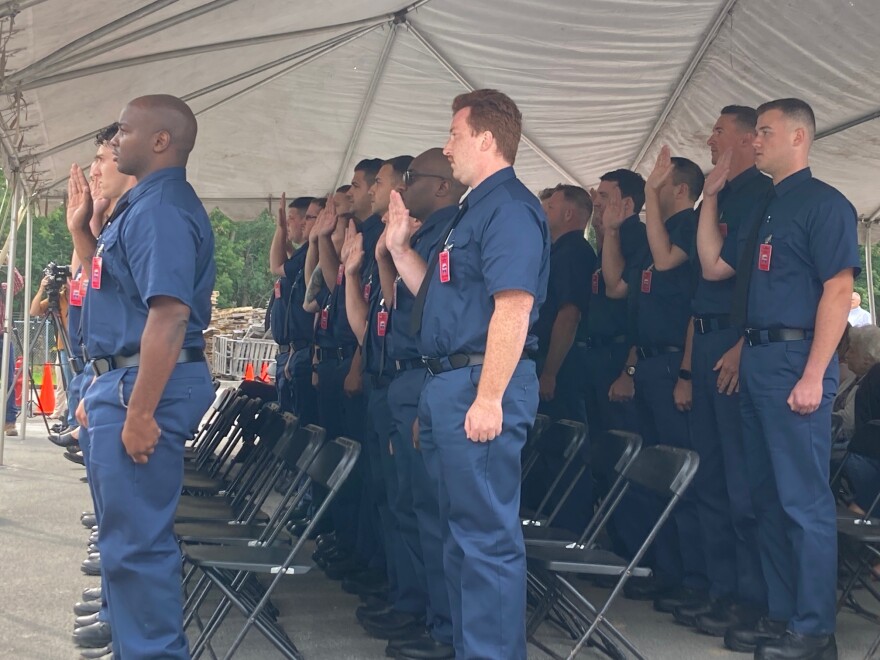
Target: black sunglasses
[(410, 175)]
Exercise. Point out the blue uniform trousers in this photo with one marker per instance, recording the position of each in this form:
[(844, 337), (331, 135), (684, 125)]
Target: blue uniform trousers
[(140, 557), (284, 382), (788, 460), (678, 556), (416, 506), (305, 398), (724, 504), (341, 415), (479, 493)]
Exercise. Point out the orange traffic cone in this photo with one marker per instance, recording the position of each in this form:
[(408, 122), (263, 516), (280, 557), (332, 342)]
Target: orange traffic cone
[(46, 404), (264, 372), (249, 372)]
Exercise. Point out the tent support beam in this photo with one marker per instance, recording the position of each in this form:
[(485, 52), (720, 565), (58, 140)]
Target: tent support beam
[(864, 119), (329, 48), (468, 85), (367, 103), (206, 90), (185, 52), (14, 7), (685, 79), (72, 47), (75, 58)]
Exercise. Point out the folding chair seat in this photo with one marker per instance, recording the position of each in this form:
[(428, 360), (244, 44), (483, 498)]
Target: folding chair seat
[(230, 567), (305, 445), (612, 458), (245, 504), (563, 443), (667, 471)]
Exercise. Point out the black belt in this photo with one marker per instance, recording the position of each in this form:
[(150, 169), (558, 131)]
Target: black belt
[(707, 324), (600, 341), (756, 336), (77, 364), (339, 353), (648, 352), (457, 361), (107, 363), (293, 346), (406, 365)]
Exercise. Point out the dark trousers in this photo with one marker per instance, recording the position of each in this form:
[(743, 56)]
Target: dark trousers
[(568, 403), (11, 408), (724, 504), (677, 551), (788, 460), (479, 492), (140, 557), (416, 506), (345, 416)]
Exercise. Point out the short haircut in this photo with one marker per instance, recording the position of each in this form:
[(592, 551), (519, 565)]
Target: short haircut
[(370, 167), (631, 185), (796, 109), (301, 203), (495, 112), (688, 172), (344, 189), (746, 118), (399, 164), (546, 193), (320, 201), (106, 134), (577, 196)]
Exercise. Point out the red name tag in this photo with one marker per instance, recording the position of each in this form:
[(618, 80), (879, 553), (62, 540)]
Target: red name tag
[(647, 276), (76, 294), (367, 288), (277, 288), (723, 228), (765, 252), (325, 318), (596, 282), (97, 265), (339, 274), (445, 268), (381, 323)]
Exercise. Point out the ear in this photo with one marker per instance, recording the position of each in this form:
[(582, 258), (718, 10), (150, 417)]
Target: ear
[(443, 189), (487, 141), (161, 141), (799, 136), (629, 206)]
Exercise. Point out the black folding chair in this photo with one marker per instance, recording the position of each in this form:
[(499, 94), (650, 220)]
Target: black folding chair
[(529, 454), (329, 469), (225, 438), (665, 470), (562, 448), (217, 424)]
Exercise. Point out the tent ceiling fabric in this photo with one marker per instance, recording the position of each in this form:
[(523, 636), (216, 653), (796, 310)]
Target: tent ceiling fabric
[(592, 78)]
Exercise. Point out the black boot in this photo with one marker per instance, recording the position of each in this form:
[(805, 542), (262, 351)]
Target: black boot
[(745, 639), (794, 646)]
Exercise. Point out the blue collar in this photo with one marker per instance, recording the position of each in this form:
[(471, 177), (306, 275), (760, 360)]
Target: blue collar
[(792, 181), (370, 223), (489, 184), (154, 178), (743, 178)]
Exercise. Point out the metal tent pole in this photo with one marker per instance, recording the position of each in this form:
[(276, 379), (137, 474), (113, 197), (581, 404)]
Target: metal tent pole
[(26, 340), (869, 271), (7, 322)]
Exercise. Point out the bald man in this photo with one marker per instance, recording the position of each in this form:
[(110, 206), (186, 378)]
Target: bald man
[(152, 273)]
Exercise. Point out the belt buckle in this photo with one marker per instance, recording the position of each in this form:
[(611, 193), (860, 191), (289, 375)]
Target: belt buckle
[(340, 353), (753, 336), (430, 363), (102, 365), (699, 325)]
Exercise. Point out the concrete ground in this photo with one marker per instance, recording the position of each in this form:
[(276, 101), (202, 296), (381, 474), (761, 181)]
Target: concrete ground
[(43, 543)]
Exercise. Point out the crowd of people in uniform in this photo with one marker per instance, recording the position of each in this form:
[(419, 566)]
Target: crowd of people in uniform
[(430, 310)]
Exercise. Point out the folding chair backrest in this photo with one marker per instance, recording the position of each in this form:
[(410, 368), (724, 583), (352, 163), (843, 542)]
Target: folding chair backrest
[(306, 443), (333, 463), (665, 470), (564, 440), (533, 442)]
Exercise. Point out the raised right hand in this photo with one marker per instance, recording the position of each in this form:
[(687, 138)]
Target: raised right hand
[(326, 222), (79, 200), (614, 214), (400, 226), (718, 176), (282, 212)]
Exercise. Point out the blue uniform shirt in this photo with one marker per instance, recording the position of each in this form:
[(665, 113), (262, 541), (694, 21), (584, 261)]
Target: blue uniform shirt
[(500, 244), (609, 317), (737, 203), (278, 314), (572, 263), (159, 244), (663, 298), (377, 360), (812, 231), (401, 344), (299, 323)]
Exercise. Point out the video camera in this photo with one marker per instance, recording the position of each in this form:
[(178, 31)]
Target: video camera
[(58, 276)]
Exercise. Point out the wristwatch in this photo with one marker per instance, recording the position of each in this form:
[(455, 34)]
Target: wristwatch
[(630, 370), (684, 374)]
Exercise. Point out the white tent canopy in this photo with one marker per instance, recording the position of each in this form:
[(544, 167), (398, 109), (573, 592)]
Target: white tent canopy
[(290, 94)]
